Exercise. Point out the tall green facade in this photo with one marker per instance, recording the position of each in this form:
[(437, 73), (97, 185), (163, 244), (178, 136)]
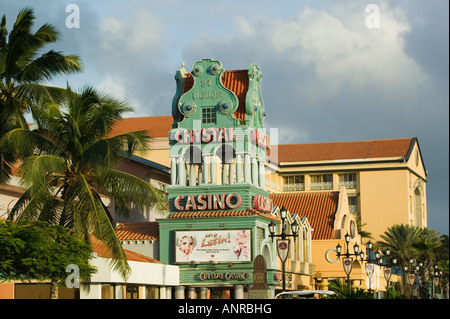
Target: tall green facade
[(219, 209)]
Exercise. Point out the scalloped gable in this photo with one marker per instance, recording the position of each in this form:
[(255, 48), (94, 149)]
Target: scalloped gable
[(318, 207)]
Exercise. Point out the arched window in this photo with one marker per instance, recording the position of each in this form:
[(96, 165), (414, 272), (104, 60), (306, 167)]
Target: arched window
[(193, 155), (193, 159), (226, 154), (343, 221), (418, 207)]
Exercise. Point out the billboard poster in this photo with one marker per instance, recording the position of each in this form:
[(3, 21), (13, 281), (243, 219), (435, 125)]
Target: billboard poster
[(203, 246)]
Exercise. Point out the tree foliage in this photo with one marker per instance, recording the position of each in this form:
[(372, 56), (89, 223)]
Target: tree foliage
[(343, 291), (23, 70), (71, 168), (37, 251)]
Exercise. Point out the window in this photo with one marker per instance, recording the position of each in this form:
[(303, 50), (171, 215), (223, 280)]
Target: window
[(348, 180), (208, 115), (152, 292), (353, 204), (321, 182), (418, 207), (293, 183), (108, 292), (132, 292)]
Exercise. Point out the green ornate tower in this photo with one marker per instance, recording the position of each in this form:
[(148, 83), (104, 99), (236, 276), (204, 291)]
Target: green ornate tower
[(219, 209)]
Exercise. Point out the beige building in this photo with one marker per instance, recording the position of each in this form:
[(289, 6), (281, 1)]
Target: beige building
[(385, 179)]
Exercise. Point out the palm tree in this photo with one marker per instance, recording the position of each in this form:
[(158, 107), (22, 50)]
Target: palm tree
[(400, 240), (72, 167), (23, 69), (427, 246)]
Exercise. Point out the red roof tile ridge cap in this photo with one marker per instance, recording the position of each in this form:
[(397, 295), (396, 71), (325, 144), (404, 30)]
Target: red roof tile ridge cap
[(341, 142)]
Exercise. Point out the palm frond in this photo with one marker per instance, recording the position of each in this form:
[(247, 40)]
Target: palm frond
[(89, 208), (399, 240), (130, 190), (48, 66), (43, 170), (27, 142), (37, 205), (105, 152), (47, 33)]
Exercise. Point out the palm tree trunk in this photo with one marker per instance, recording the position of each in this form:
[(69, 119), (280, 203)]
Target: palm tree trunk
[(53, 289)]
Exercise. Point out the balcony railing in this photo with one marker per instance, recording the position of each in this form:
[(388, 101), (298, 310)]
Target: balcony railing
[(293, 187), (349, 184), (321, 186)]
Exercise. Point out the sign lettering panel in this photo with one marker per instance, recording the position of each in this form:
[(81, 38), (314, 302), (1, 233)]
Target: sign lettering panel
[(205, 246)]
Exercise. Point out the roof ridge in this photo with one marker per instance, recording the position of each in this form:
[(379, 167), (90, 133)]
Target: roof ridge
[(343, 142)]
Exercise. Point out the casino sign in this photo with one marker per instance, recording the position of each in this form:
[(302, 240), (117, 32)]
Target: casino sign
[(207, 202)]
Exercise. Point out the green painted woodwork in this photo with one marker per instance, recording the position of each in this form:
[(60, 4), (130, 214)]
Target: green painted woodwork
[(254, 105), (190, 273), (246, 191), (208, 92), (208, 108)]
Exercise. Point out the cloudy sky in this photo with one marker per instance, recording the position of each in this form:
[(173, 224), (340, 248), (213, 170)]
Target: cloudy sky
[(332, 70)]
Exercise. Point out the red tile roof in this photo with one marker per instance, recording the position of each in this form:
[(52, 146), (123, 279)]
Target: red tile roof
[(156, 126), (137, 231), (319, 208), (217, 214), (343, 150), (102, 251)]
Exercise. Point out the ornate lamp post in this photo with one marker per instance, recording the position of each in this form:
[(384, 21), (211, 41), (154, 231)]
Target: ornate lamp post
[(283, 243), (435, 275), (376, 258), (410, 274), (388, 267), (371, 261), (427, 278), (347, 261)]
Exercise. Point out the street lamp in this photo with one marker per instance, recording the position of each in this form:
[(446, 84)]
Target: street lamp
[(283, 243), (435, 275), (432, 279), (347, 261), (371, 261), (388, 266), (376, 258)]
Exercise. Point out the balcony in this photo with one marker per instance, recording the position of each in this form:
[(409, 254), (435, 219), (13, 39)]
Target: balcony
[(321, 186), (349, 184), (293, 187)]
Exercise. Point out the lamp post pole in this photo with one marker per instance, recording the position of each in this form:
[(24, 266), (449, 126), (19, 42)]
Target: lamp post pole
[(283, 244), (376, 258), (435, 277), (370, 261), (348, 261)]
